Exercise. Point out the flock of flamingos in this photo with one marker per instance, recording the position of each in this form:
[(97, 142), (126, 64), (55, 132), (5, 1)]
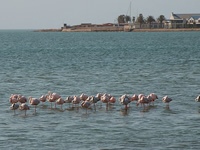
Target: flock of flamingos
[(85, 100)]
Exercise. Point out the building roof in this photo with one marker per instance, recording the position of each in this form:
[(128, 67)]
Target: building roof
[(195, 17), (182, 16)]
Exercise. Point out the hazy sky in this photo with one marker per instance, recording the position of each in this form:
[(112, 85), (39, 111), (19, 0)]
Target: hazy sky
[(40, 14)]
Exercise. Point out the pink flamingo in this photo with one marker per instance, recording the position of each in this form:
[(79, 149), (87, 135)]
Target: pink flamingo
[(134, 98), (42, 99), (143, 100), (99, 95), (85, 104), (24, 107), (60, 101), (105, 99), (140, 97), (112, 100), (154, 97), (13, 100), (50, 99), (76, 101), (124, 100), (14, 107), (83, 97), (33, 101), (14, 96), (54, 97), (21, 99), (166, 99)]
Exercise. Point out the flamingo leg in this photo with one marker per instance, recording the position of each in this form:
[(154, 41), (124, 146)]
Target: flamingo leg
[(25, 112), (55, 105), (126, 107), (107, 106), (51, 105), (94, 107), (35, 108), (61, 106), (86, 111)]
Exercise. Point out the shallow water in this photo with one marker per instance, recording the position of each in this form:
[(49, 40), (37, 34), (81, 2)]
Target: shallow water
[(166, 63)]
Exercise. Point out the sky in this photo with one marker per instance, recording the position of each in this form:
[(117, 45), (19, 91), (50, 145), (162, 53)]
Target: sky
[(52, 14)]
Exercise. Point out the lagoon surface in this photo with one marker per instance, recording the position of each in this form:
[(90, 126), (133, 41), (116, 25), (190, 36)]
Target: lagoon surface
[(117, 63)]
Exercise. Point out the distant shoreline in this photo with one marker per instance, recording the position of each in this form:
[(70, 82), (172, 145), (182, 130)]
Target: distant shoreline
[(117, 30)]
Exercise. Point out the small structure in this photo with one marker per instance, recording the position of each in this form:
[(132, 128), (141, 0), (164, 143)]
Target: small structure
[(65, 26)]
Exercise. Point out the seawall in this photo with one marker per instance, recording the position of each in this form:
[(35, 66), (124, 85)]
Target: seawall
[(95, 29)]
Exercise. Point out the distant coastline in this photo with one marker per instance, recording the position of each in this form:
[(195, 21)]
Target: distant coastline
[(116, 29)]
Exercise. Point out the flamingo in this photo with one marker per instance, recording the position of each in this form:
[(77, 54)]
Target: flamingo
[(85, 104), (13, 100), (51, 100), (14, 96), (150, 98), (139, 97), (76, 101), (14, 107), (54, 97), (60, 101), (166, 99), (21, 99), (134, 98), (33, 101), (83, 97), (112, 100), (42, 99), (99, 95), (124, 100), (197, 99), (154, 97), (24, 107), (105, 99), (94, 100), (69, 100), (143, 100)]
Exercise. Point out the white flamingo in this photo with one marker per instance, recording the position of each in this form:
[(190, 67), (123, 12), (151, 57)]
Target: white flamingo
[(14, 107), (166, 99)]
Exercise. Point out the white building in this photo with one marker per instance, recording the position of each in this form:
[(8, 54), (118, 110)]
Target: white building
[(181, 20)]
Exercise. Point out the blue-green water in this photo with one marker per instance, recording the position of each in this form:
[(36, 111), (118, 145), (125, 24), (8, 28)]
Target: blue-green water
[(166, 63)]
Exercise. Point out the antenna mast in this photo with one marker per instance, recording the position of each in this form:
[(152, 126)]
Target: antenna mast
[(130, 11)]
